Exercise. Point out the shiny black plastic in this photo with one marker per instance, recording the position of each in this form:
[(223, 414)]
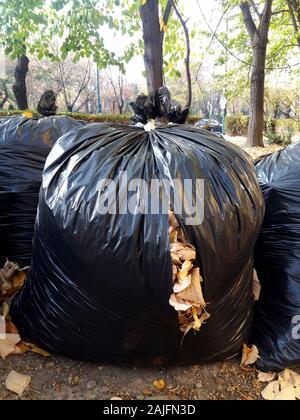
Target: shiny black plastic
[(277, 260), (24, 146), (100, 285)]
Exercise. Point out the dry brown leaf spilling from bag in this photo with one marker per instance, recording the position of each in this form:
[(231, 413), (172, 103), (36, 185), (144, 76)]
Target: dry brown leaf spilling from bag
[(187, 298), (250, 355), (12, 278)]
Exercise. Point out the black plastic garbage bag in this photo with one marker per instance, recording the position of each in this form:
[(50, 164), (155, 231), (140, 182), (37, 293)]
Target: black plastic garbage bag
[(24, 146), (158, 104), (100, 283), (277, 260)]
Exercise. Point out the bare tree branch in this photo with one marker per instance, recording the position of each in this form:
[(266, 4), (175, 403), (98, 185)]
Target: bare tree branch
[(248, 19), (265, 18), (255, 8), (188, 54), (119, 97), (294, 19), (83, 85), (168, 11)]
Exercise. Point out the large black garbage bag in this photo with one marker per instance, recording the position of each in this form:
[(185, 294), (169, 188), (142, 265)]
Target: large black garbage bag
[(24, 146), (100, 284), (277, 260)]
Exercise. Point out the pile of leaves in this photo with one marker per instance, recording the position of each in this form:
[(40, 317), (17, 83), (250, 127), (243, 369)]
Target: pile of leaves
[(12, 279), (283, 386), (187, 298)]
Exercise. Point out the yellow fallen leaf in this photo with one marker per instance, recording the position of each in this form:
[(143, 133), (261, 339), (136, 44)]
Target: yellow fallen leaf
[(27, 114), (21, 348), (159, 384), (36, 349), (182, 274), (18, 279), (250, 355), (205, 316), (197, 322), (17, 382), (7, 345)]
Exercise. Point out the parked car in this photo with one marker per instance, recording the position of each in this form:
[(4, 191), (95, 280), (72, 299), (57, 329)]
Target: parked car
[(210, 125)]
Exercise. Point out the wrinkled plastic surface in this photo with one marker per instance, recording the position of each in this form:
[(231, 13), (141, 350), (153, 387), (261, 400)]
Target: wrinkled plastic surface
[(277, 260), (158, 104), (24, 146), (100, 285)]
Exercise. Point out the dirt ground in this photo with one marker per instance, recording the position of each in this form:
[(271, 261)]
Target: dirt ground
[(254, 152), (60, 378)]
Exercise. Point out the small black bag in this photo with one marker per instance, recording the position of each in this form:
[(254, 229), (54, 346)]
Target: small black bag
[(24, 146)]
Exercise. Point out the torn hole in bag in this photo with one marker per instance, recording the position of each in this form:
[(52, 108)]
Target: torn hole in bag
[(187, 297)]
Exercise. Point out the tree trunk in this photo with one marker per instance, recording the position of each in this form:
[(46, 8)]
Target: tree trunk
[(153, 44), (257, 94), (258, 34), (19, 87)]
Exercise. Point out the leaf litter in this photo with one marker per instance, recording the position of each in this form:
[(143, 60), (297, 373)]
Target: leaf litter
[(284, 386), (12, 279), (187, 298)]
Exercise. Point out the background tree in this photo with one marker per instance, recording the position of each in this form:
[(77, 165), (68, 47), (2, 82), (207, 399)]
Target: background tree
[(154, 30), (118, 89), (258, 33), (23, 30)]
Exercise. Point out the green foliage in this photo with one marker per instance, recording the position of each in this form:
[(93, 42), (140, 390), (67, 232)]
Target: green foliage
[(285, 131), (280, 131), (24, 27), (237, 125), (113, 118)]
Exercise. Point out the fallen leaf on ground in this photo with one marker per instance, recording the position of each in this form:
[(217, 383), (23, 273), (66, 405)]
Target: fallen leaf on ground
[(291, 377), (20, 348), (159, 384), (17, 382), (7, 345), (266, 377), (286, 387), (250, 355), (35, 349), (279, 391)]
